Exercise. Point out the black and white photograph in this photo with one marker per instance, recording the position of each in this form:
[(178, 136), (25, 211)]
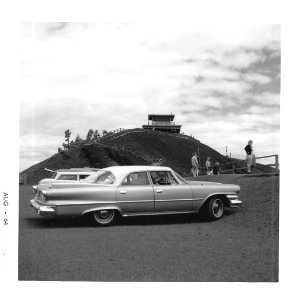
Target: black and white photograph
[(147, 156)]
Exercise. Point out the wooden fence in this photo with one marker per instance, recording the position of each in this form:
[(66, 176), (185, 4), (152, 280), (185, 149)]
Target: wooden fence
[(276, 164), (233, 166)]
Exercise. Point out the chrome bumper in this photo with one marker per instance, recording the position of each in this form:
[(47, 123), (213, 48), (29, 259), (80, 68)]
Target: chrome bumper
[(43, 210), (234, 201)]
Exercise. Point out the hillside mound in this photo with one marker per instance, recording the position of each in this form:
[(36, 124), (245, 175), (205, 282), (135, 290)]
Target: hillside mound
[(136, 147)]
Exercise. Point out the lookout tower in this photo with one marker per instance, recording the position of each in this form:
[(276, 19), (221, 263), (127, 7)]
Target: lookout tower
[(163, 123)]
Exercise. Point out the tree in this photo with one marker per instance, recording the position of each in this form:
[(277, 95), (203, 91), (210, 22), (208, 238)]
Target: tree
[(67, 134), (104, 132), (65, 146), (78, 139), (89, 134), (96, 135)]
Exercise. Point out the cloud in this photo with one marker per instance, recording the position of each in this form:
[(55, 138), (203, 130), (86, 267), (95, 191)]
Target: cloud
[(239, 59), (219, 81), (257, 109), (268, 98), (257, 78)]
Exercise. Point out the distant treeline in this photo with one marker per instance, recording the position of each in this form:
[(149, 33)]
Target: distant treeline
[(92, 135)]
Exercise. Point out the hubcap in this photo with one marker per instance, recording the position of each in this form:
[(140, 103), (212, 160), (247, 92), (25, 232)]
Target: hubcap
[(217, 208), (104, 216)]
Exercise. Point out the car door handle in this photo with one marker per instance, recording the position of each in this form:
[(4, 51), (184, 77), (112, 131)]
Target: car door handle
[(159, 191), (122, 192)]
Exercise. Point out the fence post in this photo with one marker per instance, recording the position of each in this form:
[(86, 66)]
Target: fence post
[(276, 163)]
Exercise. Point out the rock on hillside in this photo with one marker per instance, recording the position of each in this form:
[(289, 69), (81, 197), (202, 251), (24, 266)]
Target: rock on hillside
[(133, 147)]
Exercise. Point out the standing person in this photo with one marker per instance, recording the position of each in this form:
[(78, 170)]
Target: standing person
[(198, 164), (250, 156), (208, 165), (216, 169), (194, 165)]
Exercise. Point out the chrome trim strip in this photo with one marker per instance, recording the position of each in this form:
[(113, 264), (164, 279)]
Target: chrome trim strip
[(198, 199), (70, 202), (236, 203), (170, 200), (136, 201), (159, 213), (232, 196)]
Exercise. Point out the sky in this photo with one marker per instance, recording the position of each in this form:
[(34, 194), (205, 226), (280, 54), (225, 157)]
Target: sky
[(221, 82)]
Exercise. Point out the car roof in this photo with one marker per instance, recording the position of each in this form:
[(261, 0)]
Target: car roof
[(137, 168), (76, 170)]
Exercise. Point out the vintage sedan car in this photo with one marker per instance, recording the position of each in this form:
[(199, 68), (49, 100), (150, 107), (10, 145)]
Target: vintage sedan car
[(133, 191)]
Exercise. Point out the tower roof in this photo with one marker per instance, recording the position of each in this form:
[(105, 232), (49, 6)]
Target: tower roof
[(168, 116)]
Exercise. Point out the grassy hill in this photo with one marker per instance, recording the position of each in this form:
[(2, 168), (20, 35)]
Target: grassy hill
[(136, 147)]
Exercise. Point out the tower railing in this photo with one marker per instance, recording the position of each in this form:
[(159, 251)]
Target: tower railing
[(161, 123)]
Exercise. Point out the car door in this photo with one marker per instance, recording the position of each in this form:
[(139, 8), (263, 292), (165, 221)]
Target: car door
[(135, 195), (170, 195)]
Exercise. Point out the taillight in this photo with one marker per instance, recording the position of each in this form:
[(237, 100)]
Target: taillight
[(44, 195), (34, 188)]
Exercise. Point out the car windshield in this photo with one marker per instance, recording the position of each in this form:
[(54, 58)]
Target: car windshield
[(101, 177), (181, 179)]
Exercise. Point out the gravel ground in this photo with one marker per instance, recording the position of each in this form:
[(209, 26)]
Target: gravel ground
[(242, 246)]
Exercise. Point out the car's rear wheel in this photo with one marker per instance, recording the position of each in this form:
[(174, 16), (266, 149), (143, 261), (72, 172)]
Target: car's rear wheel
[(215, 208), (103, 217)]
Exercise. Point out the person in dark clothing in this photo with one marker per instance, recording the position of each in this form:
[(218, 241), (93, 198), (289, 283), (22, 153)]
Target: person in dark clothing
[(216, 169), (248, 149), (208, 165), (250, 156)]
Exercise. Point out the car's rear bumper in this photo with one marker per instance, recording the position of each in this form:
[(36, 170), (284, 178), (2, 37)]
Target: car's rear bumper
[(43, 210), (234, 201)]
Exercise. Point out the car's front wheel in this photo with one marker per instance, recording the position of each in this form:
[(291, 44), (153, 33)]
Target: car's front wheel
[(215, 208), (103, 217)]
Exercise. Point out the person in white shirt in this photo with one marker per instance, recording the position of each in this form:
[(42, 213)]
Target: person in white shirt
[(194, 165)]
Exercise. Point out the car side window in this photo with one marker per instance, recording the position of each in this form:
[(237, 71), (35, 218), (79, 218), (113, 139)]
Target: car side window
[(68, 177), (82, 177), (138, 178), (163, 178), (106, 178)]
